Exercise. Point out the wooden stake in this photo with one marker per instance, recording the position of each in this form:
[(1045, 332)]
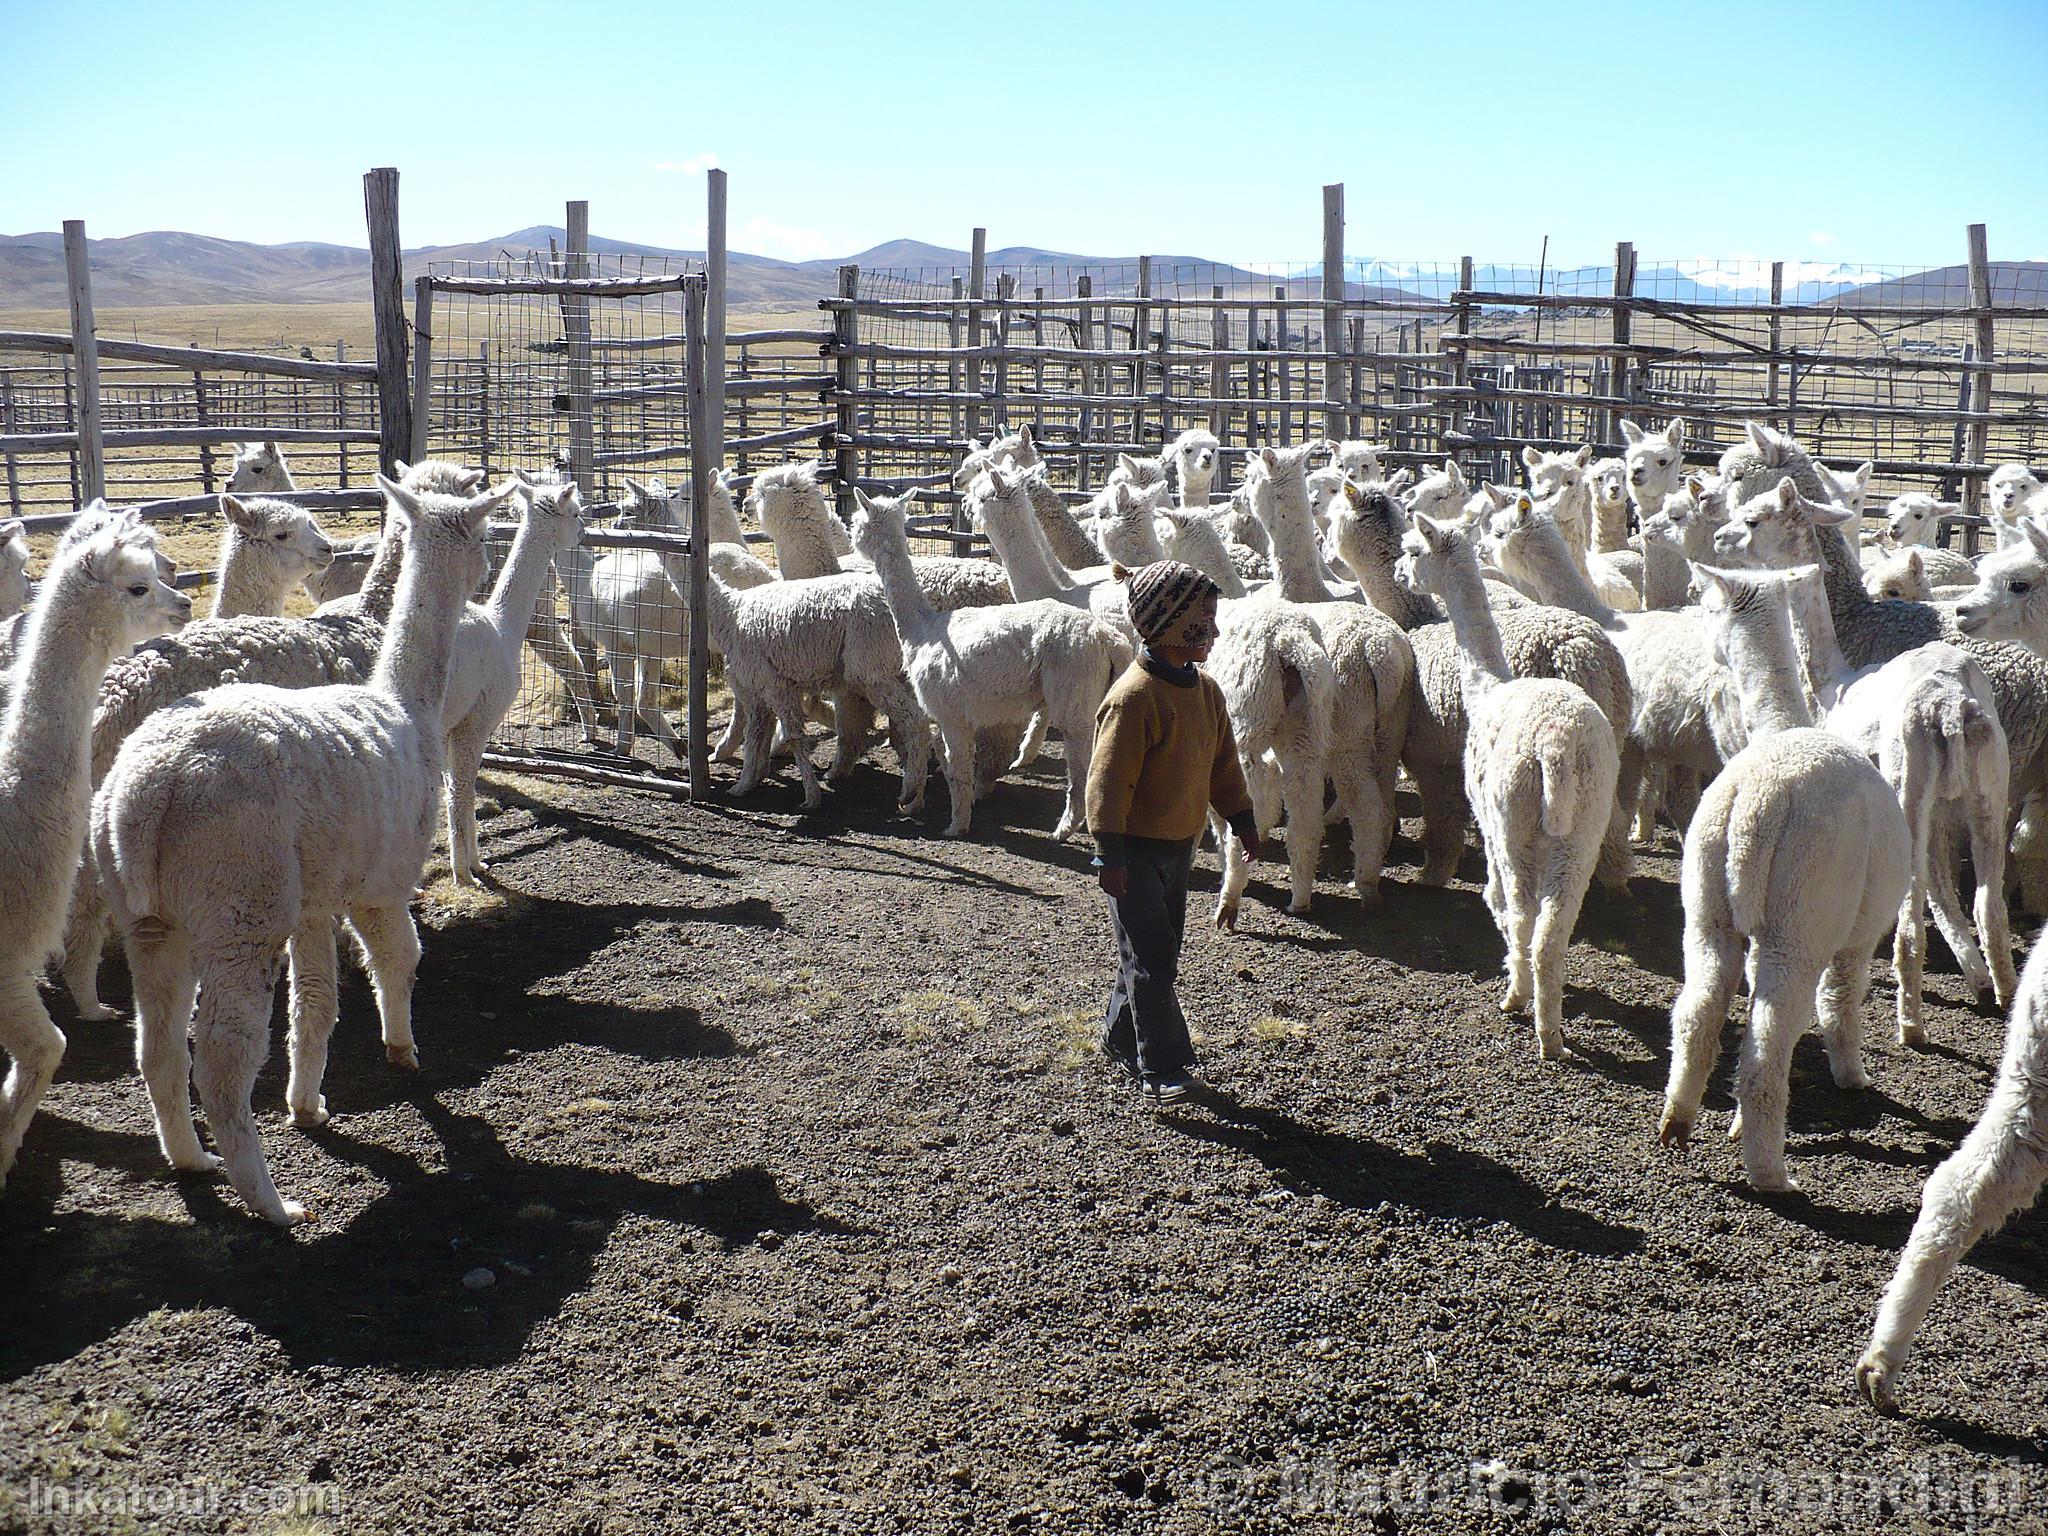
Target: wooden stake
[(387, 303), (576, 330), (1987, 352), (698, 366), (92, 453), (846, 326), (714, 319), (422, 366), (1333, 302)]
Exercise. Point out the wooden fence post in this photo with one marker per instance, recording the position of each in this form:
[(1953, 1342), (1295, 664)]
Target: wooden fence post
[(1084, 424), (702, 432), (7, 430), (1980, 394), (85, 349), (1141, 331), (204, 417), (387, 303), (576, 328), (977, 274), (1219, 371), (1006, 289), (953, 380), (422, 366), (1285, 416), (846, 325), (341, 413), (483, 405), (1333, 306), (1621, 378), (714, 322), (1777, 298)]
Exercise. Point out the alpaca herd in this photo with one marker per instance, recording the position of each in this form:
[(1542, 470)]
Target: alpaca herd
[(1829, 723)]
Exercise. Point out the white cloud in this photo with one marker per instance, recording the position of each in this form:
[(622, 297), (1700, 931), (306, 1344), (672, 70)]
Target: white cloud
[(1753, 272), (696, 165), (1820, 237), (785, 242)]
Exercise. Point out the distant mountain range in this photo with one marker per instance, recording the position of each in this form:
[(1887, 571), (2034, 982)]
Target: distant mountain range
[(171, 267)]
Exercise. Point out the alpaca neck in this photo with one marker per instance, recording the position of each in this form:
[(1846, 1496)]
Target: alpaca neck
[(1827, 670), (412, 667), (250, 582), (519, 583), (802, 547), (1194, 487), (724, 519), (1841, 571), (1572, 511), (1289, 524), (1482, 662), (380, 582), (1409, 610), (1539, 558), (1033, 569), (46, 732), (1610, 525), (575, 566), (1063, 536), (1767, 675), (907, 603)]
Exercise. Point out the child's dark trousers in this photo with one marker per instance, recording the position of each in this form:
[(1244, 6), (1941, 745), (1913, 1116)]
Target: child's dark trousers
[(1143, 1021)]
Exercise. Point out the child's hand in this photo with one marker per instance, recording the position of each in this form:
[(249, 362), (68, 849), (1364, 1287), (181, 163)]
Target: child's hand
[(1251, 845), (1114, 880)]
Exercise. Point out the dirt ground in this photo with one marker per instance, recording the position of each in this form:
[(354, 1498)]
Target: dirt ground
[(761, 1176)]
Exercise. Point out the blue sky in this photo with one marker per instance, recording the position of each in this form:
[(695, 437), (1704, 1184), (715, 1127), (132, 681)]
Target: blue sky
[(1808, 132)]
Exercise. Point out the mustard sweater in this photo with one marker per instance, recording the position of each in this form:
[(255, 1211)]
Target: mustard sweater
[(1164, 754)]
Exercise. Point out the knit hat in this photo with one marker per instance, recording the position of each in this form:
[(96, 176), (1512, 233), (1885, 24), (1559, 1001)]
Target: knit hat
[(1164, 598)]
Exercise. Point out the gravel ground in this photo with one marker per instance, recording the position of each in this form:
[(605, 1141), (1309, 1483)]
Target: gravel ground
[(762, 1175)]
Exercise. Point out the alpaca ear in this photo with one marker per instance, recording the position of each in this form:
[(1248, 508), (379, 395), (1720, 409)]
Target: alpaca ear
[(1270, 457), (1434, 533), (569, 503), (1584, 456), (1787, 493), (1716, 587), (2036, 536), (1863, 473), (860, 500), (1024, 437), (402, 500), (478, 509), (240, 514), (401, 469), (270, 447), (1455, 475), (1631, 432), (997, 483), (1675, 433), (639, 488), (1760, 439), (1400, 480), (1532, 458), (11, 530), (1830, 516), (1914, 563), (1121, 498)]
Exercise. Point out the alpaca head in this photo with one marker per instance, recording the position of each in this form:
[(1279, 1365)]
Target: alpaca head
[(1902, 576), (281, 539), (1017, 448), (1367, 524), (558, 512), (1280, 472), (649, 504), (1440, 494), (2010, 488), (446, 478), (2010, 601), (878, 521), (14, 583), (1849, 487), (1001, 496), (1432, 552), (259, 467), (1325, 489), (1655, 461), (1777, 528), (1749, 615), (114, 575), (1358, 459), (1194, 455), (1132, 470), (443, 530), (1915, 518), (1550, 473), (1609, 481), (787, 498)]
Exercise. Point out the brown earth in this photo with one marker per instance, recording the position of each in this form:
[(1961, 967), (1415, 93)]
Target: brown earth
[(806, 1204)]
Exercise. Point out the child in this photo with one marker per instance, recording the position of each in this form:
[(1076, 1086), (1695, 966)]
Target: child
[(1164, 754)]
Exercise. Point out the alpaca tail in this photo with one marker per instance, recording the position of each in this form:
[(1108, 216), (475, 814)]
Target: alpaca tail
[(126, 821), (1555, 762)]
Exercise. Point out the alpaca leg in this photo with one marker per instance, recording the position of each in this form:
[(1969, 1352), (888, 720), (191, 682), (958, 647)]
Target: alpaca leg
[(1556, 916), (391, 945), (728, 748), (465, 761), (911, 734), (1649, 796), (1518, 921), (1780, 1009), (625, 701), (1995, 1172), (1443, 820), (1301, 791), (1617, 859), (315, 974), (231, 1036), (85, 940), (1079, 736), (161, 965), (1713, 964), (1371, 815), (959, 742), (788, 708), (1909, 960), (1994, 922), (554, 644), (1031, 746), (1843, 987), (758, 748), (1947, 906), (36, 1046), (647, 684), (1237, 874)]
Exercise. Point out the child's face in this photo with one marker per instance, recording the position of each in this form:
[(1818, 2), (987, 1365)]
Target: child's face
[(1188, 655)]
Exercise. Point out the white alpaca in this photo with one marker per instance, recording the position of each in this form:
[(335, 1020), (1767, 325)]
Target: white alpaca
[(259, 469), (1607, 484), (1359, 460), (2014, 491), (1559, 479), (353, 558), (1190, 535), (483, 677), (1281, 502), (1193, 458), (253, 816), (1997, 1171), (823, 635), (1915, 518), (977, 667), (1280, 690), (1656, 464), (1541, 766), (1125, 521), (791, 507), (97, 600), (1900, 576), (1000, 504), (1847, 487), (1795, 865), (268, 548), (14, 583)]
